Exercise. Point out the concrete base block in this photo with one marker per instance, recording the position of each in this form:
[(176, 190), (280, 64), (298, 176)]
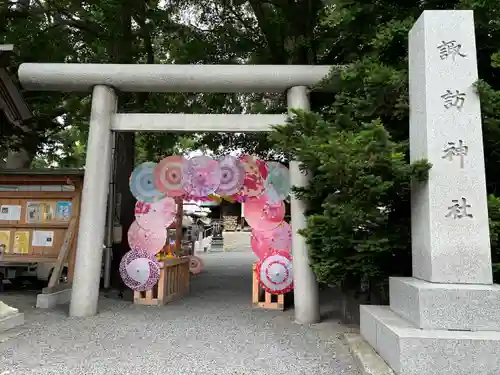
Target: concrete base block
[(468, 307), (413, 351), (368, 361), (50, 300), (11, 321)]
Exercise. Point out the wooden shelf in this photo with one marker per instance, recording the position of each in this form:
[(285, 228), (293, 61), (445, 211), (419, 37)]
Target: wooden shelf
[(38, 195), (20, 258), (35, 225)]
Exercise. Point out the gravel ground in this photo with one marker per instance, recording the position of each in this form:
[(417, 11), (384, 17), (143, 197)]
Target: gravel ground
[(213, 330)]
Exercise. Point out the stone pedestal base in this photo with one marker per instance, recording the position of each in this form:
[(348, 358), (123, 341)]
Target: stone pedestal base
[(217, 244), (461, 307), (11, 321), (50, 300), (413, 351), (10, 317)]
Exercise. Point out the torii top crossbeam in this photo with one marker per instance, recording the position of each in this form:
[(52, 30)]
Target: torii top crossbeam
[(170, 77)]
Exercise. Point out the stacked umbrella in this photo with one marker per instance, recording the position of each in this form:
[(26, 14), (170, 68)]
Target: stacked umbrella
[(271, 238), (262, 186)]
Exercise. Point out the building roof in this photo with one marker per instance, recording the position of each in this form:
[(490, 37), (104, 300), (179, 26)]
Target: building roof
[(12, 104)]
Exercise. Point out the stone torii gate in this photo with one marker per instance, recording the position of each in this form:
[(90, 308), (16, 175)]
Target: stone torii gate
[(103, 80)]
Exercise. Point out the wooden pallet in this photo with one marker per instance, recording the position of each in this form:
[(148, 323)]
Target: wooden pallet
[(262, 299), (173, 284)]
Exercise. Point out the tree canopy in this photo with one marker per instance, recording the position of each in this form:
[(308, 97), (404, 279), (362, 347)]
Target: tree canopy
[(365, 153)]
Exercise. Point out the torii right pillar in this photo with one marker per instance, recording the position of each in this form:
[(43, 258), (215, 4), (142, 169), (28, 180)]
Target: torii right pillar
[(446, 318)]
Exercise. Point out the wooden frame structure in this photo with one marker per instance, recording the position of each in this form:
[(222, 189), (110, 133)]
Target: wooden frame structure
[(43, 209), (262, 299), (174, 272), (173, 283)]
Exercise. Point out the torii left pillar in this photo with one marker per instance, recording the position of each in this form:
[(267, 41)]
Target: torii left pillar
[(85, 293)]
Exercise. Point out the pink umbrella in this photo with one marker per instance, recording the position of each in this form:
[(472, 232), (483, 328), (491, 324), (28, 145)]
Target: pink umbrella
[(152, 238), (168, 175), (262, 215), (279, 239), (139, 270)]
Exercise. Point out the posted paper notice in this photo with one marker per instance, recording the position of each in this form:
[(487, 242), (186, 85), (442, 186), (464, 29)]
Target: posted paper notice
[(43, 238), (10, 212), (40, 212), (4, 242), (63, 211), (21, 242)]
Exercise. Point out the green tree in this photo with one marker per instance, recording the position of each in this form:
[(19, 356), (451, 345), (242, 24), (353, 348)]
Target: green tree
[(358, 227), (359, 188), (35, 37)]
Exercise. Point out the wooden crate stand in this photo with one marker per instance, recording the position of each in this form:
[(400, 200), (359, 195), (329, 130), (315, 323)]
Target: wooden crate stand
[(262, 299), (173, 284)]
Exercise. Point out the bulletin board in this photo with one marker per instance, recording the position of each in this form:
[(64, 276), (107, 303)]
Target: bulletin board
[(35, 215)]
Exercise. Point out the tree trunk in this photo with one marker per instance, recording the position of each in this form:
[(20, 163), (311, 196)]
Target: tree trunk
[(120, 50), (125, 154)]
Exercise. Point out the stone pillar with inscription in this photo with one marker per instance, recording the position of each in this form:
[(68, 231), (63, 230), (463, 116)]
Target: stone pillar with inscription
[(445, 319)]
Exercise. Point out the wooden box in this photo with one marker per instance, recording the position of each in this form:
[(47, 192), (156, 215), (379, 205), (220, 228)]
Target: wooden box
[(262, 299), (173, 284)]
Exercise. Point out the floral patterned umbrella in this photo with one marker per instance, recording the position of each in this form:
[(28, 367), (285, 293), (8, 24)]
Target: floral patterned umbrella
[(277, 184), (139, 270), (253, 184), (201, 176), (163, 210), (150, 238), (232, 175), (262, 215)]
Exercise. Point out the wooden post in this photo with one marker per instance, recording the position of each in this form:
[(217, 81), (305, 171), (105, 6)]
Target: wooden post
[(67, 244), (78, 184), (179, 217)]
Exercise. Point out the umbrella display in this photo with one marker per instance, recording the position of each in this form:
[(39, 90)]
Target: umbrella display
[(163, 210), (150, 238), (262, 215), (168, 175), (278, 239), (141, 208), (153, 222), (139, 270), (142, 183), (201, 176), (195, 265), (166, 205), (253, 183), (275, 272), (259, 244), (232, 175), (262, 186), (277, 183), (263, 168)]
